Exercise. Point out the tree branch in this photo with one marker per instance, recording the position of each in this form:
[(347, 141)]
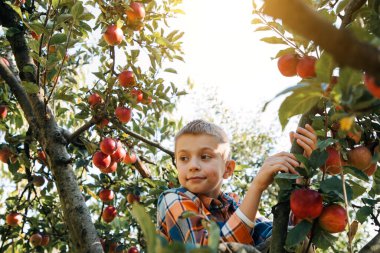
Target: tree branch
[(19, 92), (349, 11), (142, 138), (341, 44), (372, 246)]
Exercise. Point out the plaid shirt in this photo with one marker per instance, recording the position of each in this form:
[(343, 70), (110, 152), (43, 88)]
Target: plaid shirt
[(173, 202)]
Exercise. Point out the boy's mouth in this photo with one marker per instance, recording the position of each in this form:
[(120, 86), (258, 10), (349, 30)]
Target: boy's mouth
[(196, 178)]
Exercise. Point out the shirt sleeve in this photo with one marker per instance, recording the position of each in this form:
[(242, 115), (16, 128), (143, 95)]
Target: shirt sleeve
[(190, 230)]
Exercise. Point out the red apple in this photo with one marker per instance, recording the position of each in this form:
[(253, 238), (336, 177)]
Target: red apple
[(123, 114), (103, 123), (3, 111), (130, 158), (13, 219), (101, 160), (135, 12), (372, 86), (131, 198), (126, 78), (113, 35), (35, 239), (106, 195), (110, 169), (360, 157), (355, 136), (108, 146), (371, 170), (333, 163), (45, 240), (38, 181), (109, 213), (42, 156), (133, 249), (138, 95), (5, 154), (333, 218), (306, 204), (35, 35), (306, 67), (287, 64), (94, 99), (147, 101), (119, 154)]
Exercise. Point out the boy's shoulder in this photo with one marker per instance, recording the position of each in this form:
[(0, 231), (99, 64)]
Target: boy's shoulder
[(180, 193)]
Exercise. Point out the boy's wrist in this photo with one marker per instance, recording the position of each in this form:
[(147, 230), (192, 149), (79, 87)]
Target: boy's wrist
[(257, 187)]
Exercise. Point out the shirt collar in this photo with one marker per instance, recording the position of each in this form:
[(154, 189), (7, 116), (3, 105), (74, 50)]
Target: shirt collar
[(216, 203)]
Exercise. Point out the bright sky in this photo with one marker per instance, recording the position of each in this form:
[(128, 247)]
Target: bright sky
[(222, 49)]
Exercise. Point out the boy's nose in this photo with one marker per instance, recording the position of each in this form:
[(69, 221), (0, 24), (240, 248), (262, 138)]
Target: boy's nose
[(194, 165)]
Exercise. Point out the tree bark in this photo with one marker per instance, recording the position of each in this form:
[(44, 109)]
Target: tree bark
[(77, 217)]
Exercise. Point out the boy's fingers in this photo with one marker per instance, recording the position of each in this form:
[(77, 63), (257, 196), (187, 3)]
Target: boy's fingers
[(305, 146), (306, 140), (307, 132)]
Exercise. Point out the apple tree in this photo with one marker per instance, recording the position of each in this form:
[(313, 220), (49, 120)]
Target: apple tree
[(332, 46), (84, 105)]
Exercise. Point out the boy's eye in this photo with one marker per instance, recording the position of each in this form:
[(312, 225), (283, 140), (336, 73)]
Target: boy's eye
[(205, 157), (183, 158)]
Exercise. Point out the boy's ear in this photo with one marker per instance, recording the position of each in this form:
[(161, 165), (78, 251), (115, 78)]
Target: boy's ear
[(230, 167)]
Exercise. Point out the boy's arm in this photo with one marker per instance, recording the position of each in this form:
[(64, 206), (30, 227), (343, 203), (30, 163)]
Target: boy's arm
[(190, 230), (281, 162)]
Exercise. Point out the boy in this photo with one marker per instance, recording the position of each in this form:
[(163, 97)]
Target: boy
[(202, 154)]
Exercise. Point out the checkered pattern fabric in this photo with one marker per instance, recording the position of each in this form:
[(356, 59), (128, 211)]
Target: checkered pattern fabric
[(173, 202)]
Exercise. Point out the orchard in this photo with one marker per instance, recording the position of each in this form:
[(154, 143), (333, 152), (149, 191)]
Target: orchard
[(84, 153)]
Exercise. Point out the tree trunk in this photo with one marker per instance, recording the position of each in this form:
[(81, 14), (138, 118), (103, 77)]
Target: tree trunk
[(81, 230)]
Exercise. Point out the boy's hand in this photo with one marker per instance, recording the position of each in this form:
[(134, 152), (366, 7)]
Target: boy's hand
[(306, 138), (281, 162)]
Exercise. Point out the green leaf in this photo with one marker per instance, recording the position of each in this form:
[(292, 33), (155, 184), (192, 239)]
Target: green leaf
[(214, 235), (297, 103), (357, 189), (302, 159), (363, 213), (318, 158), (38, 28), (298, 233), (324, 67), (323, 239), (285, 181), (77, 9), (30, 87), (326, 143), (28, 69), (355, 172), (170, 70), (58, 38), (17, 9), (273, 40), (334, 184), (286, 51), (256, 21), (146, 225)]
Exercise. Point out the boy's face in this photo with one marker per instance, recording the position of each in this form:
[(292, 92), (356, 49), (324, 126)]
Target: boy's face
[(201, 165)]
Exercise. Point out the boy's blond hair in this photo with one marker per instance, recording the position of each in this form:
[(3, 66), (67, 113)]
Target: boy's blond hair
[(199, 126)]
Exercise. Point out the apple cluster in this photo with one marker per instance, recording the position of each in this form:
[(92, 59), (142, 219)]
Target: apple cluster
[(292, 64), (359, 157), (307, 204), (135, 15), (111, 152)]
